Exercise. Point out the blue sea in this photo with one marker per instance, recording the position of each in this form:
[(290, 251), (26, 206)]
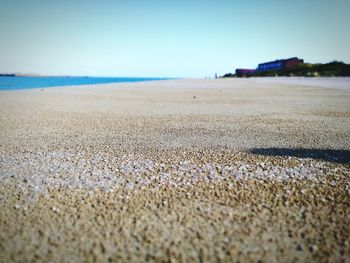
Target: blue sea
[(12, 83)]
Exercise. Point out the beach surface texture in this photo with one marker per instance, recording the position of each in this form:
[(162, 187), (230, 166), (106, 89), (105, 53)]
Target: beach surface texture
[(226, 170)]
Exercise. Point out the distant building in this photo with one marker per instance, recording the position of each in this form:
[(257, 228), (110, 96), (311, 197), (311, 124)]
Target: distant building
[(271, 65), (280, 64)]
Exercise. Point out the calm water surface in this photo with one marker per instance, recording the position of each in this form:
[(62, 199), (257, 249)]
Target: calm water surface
[(11, 83)]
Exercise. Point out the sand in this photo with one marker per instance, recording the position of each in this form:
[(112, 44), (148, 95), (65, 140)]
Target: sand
[(220, 170)]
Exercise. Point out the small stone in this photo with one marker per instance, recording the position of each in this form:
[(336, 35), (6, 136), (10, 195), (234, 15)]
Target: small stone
[(313, 248), (55, 209)]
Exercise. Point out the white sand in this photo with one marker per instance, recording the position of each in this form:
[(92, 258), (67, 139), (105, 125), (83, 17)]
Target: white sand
[(187, 170)]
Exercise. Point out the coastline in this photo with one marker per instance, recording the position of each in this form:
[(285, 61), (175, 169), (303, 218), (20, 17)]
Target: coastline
[(223, 169)]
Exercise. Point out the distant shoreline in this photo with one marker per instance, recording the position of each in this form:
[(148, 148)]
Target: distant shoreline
[(7, 75)]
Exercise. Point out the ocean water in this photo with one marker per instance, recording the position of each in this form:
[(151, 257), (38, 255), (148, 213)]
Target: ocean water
[(11, 83)]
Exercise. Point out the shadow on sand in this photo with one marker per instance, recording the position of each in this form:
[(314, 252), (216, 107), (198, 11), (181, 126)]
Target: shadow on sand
[(337, 156)]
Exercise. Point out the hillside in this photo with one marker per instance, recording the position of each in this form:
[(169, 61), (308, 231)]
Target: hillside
[(331, 69)]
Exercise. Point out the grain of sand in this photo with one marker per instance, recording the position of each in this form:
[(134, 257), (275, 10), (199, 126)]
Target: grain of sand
[(230, 170)]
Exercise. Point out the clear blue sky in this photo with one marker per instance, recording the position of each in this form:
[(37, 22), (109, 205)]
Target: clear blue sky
[(176, 38)]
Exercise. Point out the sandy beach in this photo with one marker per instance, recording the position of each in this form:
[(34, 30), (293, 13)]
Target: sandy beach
[(226, 170)]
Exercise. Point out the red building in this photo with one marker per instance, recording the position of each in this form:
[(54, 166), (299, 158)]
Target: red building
[(244, 72), (292, 62)]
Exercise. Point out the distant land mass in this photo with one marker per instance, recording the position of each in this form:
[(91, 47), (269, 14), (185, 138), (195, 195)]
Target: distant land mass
[(19, 75), (7, 75), (297, 68)]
